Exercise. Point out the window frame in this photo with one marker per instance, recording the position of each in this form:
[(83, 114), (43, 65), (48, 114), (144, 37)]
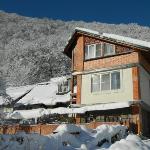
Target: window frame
[(63, 86), (110, 84), (101, 51), (114, 47), (102, 55)]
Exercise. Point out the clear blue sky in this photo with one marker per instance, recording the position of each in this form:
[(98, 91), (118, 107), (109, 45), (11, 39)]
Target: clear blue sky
[(108, 11)]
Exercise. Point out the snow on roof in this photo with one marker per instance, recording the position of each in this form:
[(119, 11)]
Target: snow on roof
[(116, 37), (106, 106), (86, 30), (45, 93), (35, 113), (127, 39), (61, 110), (27, 114), (16, 92)]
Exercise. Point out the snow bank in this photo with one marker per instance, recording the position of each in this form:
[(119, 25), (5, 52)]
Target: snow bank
[(132, 142), (69, 128), (107, 132), (87, 139)]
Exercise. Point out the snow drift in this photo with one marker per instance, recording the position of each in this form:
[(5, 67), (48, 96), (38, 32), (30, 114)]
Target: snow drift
[(73, 137)]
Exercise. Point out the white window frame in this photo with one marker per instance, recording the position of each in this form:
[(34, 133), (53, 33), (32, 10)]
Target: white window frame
[(114, 47), (110, 89), (94, 51), (63, 87)]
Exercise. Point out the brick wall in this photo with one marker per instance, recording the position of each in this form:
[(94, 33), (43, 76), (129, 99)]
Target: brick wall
[(112, 61), (136, 83), (78, 55)]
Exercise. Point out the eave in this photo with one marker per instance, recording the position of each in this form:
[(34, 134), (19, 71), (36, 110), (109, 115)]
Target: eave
[(72, 41)]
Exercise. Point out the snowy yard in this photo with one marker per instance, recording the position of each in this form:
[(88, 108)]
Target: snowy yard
[(73, 137)]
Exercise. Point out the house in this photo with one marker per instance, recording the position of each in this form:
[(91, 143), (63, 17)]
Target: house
[(112, 74), (54, 93), (41, 100)]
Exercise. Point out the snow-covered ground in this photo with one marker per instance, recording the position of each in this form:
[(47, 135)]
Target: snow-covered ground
[(73, 137)]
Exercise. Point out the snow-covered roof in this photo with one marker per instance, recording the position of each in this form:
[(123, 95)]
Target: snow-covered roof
[(16, 92), (27, 114), (45, 93), (116, 37), (127, 39), (86, 30), (35, 113)]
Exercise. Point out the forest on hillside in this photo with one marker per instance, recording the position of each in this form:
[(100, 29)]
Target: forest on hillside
[(31, 48)]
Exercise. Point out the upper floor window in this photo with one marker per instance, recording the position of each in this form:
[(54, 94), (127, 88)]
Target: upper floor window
[(64, 87), (93, 51), (108, 49), (99, 50), (105, 81)]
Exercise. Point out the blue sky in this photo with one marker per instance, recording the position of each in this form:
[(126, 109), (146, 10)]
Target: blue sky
[(108, 11)]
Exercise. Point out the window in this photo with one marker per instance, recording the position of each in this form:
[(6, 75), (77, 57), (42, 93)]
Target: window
[(105, 82), (99, 50), (95, 86), (92, 51), (115, 80), (108, 49), (64, 87)]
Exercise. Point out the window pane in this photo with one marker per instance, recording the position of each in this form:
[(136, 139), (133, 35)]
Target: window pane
[(98, 50), (105, 82), (91, 51), (86, 52), (115, 80), (59, 88), (108, 49), (95, 83)]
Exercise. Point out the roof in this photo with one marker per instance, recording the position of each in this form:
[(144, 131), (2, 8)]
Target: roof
[(41, 93), (35, 113), (140, 44), (45, 93)]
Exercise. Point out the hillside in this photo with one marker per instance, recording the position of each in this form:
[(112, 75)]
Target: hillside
[(31, 48)]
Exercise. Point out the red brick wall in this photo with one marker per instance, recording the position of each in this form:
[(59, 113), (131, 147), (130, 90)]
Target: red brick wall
[(112, 61), (78, 54), (136, 83), (119, 48)]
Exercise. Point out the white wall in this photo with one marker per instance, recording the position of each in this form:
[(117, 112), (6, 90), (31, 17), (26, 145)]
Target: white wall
[(121, 95), (145, 85)]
